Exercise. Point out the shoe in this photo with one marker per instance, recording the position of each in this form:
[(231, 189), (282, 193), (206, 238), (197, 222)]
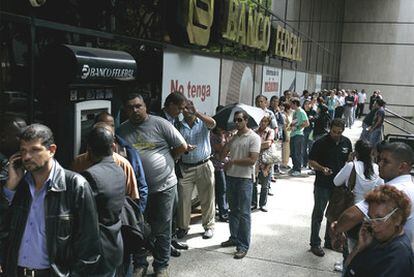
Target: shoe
[(179, 245), (208, 234), (311, 172), (253, 208), (223, 218), (140, 272), (163, 272), (228, 243), (295, 174), (174, 252), (263, 209), (181, 233), (318, 251), (338, 266), (240, 254)]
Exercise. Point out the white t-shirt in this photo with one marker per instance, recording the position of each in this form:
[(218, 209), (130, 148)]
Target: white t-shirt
[(240, 148), (362, 184), (362, 97), (403, 183)]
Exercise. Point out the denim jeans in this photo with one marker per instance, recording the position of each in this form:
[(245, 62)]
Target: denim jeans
[(240, 196), (307, 144), (265, 184), (375, 136), (321, 197), (159, 215), (221, 198), (296, 147)]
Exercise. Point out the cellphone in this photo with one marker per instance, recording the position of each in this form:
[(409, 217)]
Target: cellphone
[(369, 229), (18, 163)]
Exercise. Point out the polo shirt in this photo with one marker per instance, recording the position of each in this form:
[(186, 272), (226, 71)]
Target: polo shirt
[(333, 155), (240, 148)]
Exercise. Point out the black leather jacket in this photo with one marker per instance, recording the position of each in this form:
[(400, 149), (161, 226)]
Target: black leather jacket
[(72, 231)]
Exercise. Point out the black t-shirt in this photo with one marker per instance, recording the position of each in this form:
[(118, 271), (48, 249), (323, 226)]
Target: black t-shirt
[(333, 155), (395, 259), (349, 101)]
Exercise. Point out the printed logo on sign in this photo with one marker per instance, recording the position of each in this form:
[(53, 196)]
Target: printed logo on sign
[(85, 71)]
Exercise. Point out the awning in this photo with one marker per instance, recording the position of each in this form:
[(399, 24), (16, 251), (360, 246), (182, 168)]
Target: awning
[(67, 64)]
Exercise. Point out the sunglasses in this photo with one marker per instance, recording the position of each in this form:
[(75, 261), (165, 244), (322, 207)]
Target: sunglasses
[(379, 219), (238, 120)]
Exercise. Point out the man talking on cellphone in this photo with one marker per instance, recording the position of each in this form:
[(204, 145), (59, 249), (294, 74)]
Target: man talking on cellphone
[(51, 224)]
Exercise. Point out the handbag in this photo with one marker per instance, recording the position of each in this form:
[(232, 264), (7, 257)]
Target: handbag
[(341, 199), (270, 155)]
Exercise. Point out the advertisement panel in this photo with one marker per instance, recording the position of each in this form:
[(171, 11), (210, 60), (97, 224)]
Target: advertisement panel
[(236, 82), (300, 82), (195, 76), (271, 81), (288, 80)]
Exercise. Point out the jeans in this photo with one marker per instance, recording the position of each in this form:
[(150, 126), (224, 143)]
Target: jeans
[(375, 136), (239, 191), (265, 184), (296, 147), (221, 198), (332, 113), (159, 215), (321, 197), (307, 144), (348, 114)]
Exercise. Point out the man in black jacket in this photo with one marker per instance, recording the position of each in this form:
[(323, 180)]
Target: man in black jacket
[(107, 181), (51, 225)]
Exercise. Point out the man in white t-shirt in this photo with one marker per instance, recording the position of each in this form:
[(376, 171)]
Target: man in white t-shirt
[(362, 98), (244, 149), (396, 161)]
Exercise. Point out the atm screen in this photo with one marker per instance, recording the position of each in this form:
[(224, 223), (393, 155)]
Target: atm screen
[(85, 113)]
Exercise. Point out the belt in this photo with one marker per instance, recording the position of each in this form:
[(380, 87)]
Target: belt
[(29, 272), (197, 163)]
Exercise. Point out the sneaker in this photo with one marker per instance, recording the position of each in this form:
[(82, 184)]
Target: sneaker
[(228, 243), (181, 233), (163, 272), (338, 266), (295, 174), (240, 254), (208, 234), (140, 271)]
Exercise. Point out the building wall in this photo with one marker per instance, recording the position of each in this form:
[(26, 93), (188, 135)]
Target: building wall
[(378, 50)]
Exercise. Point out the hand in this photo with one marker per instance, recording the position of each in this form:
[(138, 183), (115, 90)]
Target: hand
[(326, 171), (190, 107), (333, 227), (191, 147), (365, 236), (228, 165), (16, 173), (351, 156)]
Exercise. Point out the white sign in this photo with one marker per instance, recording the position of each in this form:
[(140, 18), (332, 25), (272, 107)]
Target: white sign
[(271, 81), (195, 76)]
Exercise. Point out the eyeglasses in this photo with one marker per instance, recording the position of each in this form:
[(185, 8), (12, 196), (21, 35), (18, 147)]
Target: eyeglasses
[(379, 219), (239, 119)]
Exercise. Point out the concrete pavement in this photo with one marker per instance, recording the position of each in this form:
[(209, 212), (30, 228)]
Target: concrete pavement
[(280, 238)]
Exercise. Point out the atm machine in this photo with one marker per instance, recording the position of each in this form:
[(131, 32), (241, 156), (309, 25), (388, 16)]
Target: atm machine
[(79, 83)]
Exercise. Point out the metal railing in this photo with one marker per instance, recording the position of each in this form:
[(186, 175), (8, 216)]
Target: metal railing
[(398, 127), (398, 116)]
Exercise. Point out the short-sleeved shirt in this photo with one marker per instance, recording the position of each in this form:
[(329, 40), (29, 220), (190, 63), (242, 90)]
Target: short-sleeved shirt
[(403, 183), (240, 148), (327, 152), (198, 135), (300, 116), (154, 138), (394, 258), (379, 115), (349, 101)]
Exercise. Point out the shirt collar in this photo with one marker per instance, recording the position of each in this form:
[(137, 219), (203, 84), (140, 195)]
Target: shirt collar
[(406, 178), (196, 121)]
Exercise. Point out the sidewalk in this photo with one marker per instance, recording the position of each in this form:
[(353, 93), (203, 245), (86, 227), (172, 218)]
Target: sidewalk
[(280, 238)]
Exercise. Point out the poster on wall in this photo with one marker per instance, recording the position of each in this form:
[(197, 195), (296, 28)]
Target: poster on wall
[(195, 76), (271, 81), (311, 82), (236, 82), (257, 90), (300, 82), (318, 85), (288, 80)]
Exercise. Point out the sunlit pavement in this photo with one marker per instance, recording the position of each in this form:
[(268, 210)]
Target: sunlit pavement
[(280, 238)]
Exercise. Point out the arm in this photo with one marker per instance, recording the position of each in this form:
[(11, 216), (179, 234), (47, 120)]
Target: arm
[(86, 245), (364, 240), (343, 175), (208, 120), (269, 140), (250, 160), (348, 219), (316, 166)]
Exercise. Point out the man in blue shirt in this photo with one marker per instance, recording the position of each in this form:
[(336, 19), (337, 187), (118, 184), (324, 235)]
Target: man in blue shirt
[(53, 237), (197, 170)]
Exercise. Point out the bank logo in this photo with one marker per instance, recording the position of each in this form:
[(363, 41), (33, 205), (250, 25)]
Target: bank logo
[(85, 71)]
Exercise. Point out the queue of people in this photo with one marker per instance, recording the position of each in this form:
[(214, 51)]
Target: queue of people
[(72, 221)]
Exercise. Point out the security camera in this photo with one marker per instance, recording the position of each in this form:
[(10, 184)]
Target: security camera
[(37, 3)]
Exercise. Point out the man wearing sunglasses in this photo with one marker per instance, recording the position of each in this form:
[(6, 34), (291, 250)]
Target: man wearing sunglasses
[(383, 248), (396, 161), (244, 149)]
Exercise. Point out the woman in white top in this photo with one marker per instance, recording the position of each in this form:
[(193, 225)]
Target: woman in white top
[(367, 177)]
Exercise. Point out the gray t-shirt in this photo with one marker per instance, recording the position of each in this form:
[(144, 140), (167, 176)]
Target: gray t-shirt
[(154, 139)]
